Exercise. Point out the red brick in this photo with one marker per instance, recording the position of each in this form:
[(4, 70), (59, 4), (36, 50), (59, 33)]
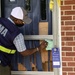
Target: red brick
[(70, 54), (74, 49), (70, 33), (67, 69), (63, 44), (74, 28), (70, 43), (69, 2), (61, 12), (67, 58), (62, 33), (74, 7), (66, 48), (74, 38), (71, 73), (74, 69), (70, 23), (74, 58), (63, 54), (65, 7), (67, 38), (61, 2), (62, 22), (64, 64), (66, 28), (73, 17), (66, 18), (69, 12), (71, 64), (64, 73)]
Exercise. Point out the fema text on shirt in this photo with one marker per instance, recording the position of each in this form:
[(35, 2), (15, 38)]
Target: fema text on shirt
[(3, 30)]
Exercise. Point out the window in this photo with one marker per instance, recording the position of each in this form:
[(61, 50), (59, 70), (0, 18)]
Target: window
[(27, 5), (43, 9)]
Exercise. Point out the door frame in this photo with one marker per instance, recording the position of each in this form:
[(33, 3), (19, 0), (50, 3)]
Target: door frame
[(57, 33), (0, 8), (57, 36)]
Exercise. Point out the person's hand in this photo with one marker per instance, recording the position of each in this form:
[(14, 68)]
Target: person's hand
[(43, 45)]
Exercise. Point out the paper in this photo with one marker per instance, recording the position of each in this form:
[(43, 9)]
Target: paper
[(50, 44), (56, 57)]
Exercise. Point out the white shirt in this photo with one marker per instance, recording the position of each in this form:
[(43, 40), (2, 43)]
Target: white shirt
[(19, 41)]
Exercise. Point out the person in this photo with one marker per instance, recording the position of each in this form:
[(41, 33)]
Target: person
[(12, 40)]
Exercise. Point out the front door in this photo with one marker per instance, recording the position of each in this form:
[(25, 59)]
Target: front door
[(38, 11)]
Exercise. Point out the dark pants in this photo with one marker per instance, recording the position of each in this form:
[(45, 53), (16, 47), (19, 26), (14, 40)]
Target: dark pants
[(5, 70)]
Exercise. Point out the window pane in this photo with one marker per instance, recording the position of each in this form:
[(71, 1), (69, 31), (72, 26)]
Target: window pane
[(43, 9), (27, 5)]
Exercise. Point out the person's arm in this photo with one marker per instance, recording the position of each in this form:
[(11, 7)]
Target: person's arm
[(20, 46), (33, 50), (29, 52)]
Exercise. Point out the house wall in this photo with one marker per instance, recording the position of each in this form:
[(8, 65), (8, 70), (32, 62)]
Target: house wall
[(68, 36)]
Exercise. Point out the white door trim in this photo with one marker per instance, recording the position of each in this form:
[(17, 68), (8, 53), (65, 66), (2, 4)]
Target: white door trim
[(31, 73), (57, 33)]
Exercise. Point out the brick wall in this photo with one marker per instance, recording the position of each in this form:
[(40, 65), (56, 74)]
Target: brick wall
[(68, 36)]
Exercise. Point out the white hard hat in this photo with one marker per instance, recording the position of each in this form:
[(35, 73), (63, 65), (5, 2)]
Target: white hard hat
[(20, 13)]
